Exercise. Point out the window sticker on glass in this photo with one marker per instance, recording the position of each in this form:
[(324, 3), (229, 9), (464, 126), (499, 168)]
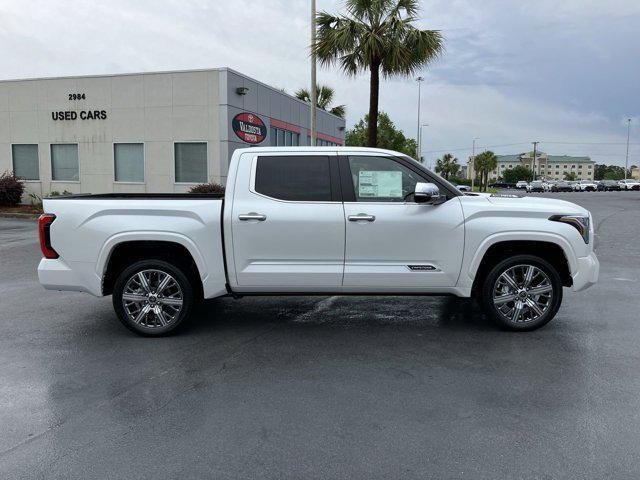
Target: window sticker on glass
[(380, 184)]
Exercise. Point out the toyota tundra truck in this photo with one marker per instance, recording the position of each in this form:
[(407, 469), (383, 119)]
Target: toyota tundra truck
[(318, 221)]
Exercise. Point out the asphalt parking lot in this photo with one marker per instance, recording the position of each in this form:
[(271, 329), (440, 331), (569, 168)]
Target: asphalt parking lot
[(325, 387)]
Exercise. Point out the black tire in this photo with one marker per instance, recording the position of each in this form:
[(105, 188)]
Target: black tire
[(490, 284), (184, 292)]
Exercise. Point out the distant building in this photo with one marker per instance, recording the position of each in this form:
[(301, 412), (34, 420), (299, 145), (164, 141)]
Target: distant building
[(635, 172), (548, 167)]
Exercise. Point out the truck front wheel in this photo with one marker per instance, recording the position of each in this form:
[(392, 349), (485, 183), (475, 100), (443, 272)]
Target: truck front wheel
[(523, 292), (152, 297)]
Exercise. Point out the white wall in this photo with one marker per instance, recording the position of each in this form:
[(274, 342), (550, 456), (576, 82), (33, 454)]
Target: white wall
[(156, 109)]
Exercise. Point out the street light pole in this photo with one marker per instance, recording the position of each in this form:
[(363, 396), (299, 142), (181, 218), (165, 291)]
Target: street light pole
[(420, 142), (313, 92), (473, 162), (419, 80), (626, 162), (533, 162)]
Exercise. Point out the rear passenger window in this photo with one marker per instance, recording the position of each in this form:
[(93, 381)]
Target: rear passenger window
[(294, 178)]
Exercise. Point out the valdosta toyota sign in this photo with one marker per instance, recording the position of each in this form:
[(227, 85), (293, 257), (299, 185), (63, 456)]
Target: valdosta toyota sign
[(249, 128)]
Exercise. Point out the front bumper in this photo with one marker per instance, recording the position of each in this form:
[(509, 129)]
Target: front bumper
[(586, 273)]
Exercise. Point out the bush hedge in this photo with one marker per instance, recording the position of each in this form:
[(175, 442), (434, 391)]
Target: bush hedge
[(207, 188), (11, 189)]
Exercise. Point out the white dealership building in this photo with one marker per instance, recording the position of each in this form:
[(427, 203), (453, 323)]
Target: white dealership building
[(144, 132)]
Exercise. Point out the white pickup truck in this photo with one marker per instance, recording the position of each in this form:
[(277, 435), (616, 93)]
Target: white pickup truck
[(323, 221)]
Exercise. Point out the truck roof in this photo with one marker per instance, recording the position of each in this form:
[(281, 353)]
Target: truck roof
[(318, 149)]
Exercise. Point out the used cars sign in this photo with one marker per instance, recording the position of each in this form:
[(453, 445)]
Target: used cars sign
[(249, 128)]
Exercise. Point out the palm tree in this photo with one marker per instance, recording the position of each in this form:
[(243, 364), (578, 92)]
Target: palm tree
[(324, 98), (447, 165), (376, 36), (484, 163)]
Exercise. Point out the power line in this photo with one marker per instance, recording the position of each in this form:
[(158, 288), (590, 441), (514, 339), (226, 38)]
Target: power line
[(591, 143), (460, 149), (469, 148)]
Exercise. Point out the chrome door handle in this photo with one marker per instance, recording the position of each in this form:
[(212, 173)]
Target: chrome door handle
[(362, 217), (252, 216)]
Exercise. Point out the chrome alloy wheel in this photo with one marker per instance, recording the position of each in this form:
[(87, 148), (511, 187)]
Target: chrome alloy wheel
[(152, 298), (522, 293)]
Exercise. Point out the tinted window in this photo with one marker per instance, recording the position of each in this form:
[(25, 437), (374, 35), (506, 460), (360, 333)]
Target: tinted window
[(25, 161), (380, 179), (64, 162), (191, 162), (294, 178), (129, 162)]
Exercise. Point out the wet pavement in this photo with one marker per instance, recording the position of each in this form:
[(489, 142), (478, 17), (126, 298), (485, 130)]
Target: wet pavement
[(324, 387)]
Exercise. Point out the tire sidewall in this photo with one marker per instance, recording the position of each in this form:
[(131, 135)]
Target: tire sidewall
[(171, 269), (499, 268)]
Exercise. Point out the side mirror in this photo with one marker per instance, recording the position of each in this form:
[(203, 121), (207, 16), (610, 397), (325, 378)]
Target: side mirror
[(427, 193)]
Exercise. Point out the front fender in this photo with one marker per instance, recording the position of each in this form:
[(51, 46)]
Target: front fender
[(530, 236)]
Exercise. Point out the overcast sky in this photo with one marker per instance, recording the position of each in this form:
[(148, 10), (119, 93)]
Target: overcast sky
[(513, 71)]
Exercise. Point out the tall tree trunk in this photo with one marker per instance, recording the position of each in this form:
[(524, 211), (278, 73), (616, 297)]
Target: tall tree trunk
[(374, 90)]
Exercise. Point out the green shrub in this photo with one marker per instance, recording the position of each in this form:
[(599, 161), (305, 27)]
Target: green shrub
[(11, 189), (207, 188), (460, 181)]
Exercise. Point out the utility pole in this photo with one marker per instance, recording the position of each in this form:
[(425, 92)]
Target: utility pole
[(420, 143), (473, 163), (313, 93), (419, 80), (533, 162), (626, 162)]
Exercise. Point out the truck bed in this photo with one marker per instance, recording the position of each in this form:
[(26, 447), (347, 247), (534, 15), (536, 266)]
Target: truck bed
[(88, 227)]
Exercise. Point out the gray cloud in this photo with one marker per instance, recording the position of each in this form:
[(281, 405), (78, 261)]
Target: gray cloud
[(513, 72)]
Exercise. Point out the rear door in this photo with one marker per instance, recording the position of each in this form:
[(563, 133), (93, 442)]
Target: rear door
[(393, 243), (288, 223)]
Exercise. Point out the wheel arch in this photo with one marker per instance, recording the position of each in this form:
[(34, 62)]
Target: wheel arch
[(493, 252), (123, 253)]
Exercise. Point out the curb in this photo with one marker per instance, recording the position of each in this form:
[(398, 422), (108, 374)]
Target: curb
[(24, 216)]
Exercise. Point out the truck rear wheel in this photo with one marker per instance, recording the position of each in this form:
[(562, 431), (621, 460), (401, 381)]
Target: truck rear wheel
[(153, 297), (523, 292)]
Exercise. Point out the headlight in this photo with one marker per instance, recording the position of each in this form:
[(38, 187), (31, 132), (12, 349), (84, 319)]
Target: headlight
[(579, 222)]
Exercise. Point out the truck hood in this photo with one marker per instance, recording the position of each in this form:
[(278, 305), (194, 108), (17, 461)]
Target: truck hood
[(536, 204)]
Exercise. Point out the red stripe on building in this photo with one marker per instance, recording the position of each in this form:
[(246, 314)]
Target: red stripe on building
[(329, 138), (275, 123)]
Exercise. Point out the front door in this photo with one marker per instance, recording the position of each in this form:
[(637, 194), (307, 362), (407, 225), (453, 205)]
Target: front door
[(288, 223), (393, 243)]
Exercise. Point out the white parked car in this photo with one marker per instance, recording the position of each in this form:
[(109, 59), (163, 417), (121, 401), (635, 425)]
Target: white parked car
[(521, 184), (464, 188), (317, 221), (629, 184), (535, 186), (586, 186)]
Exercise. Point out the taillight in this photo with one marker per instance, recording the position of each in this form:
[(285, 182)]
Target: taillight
[(44, 226)]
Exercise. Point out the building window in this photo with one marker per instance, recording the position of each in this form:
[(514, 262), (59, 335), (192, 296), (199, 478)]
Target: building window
[(25, 161), (273, 134), (128, 162), (287, 138), (295, 139), (191, 162), (280, 138), (64, 162), (294, 178)]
